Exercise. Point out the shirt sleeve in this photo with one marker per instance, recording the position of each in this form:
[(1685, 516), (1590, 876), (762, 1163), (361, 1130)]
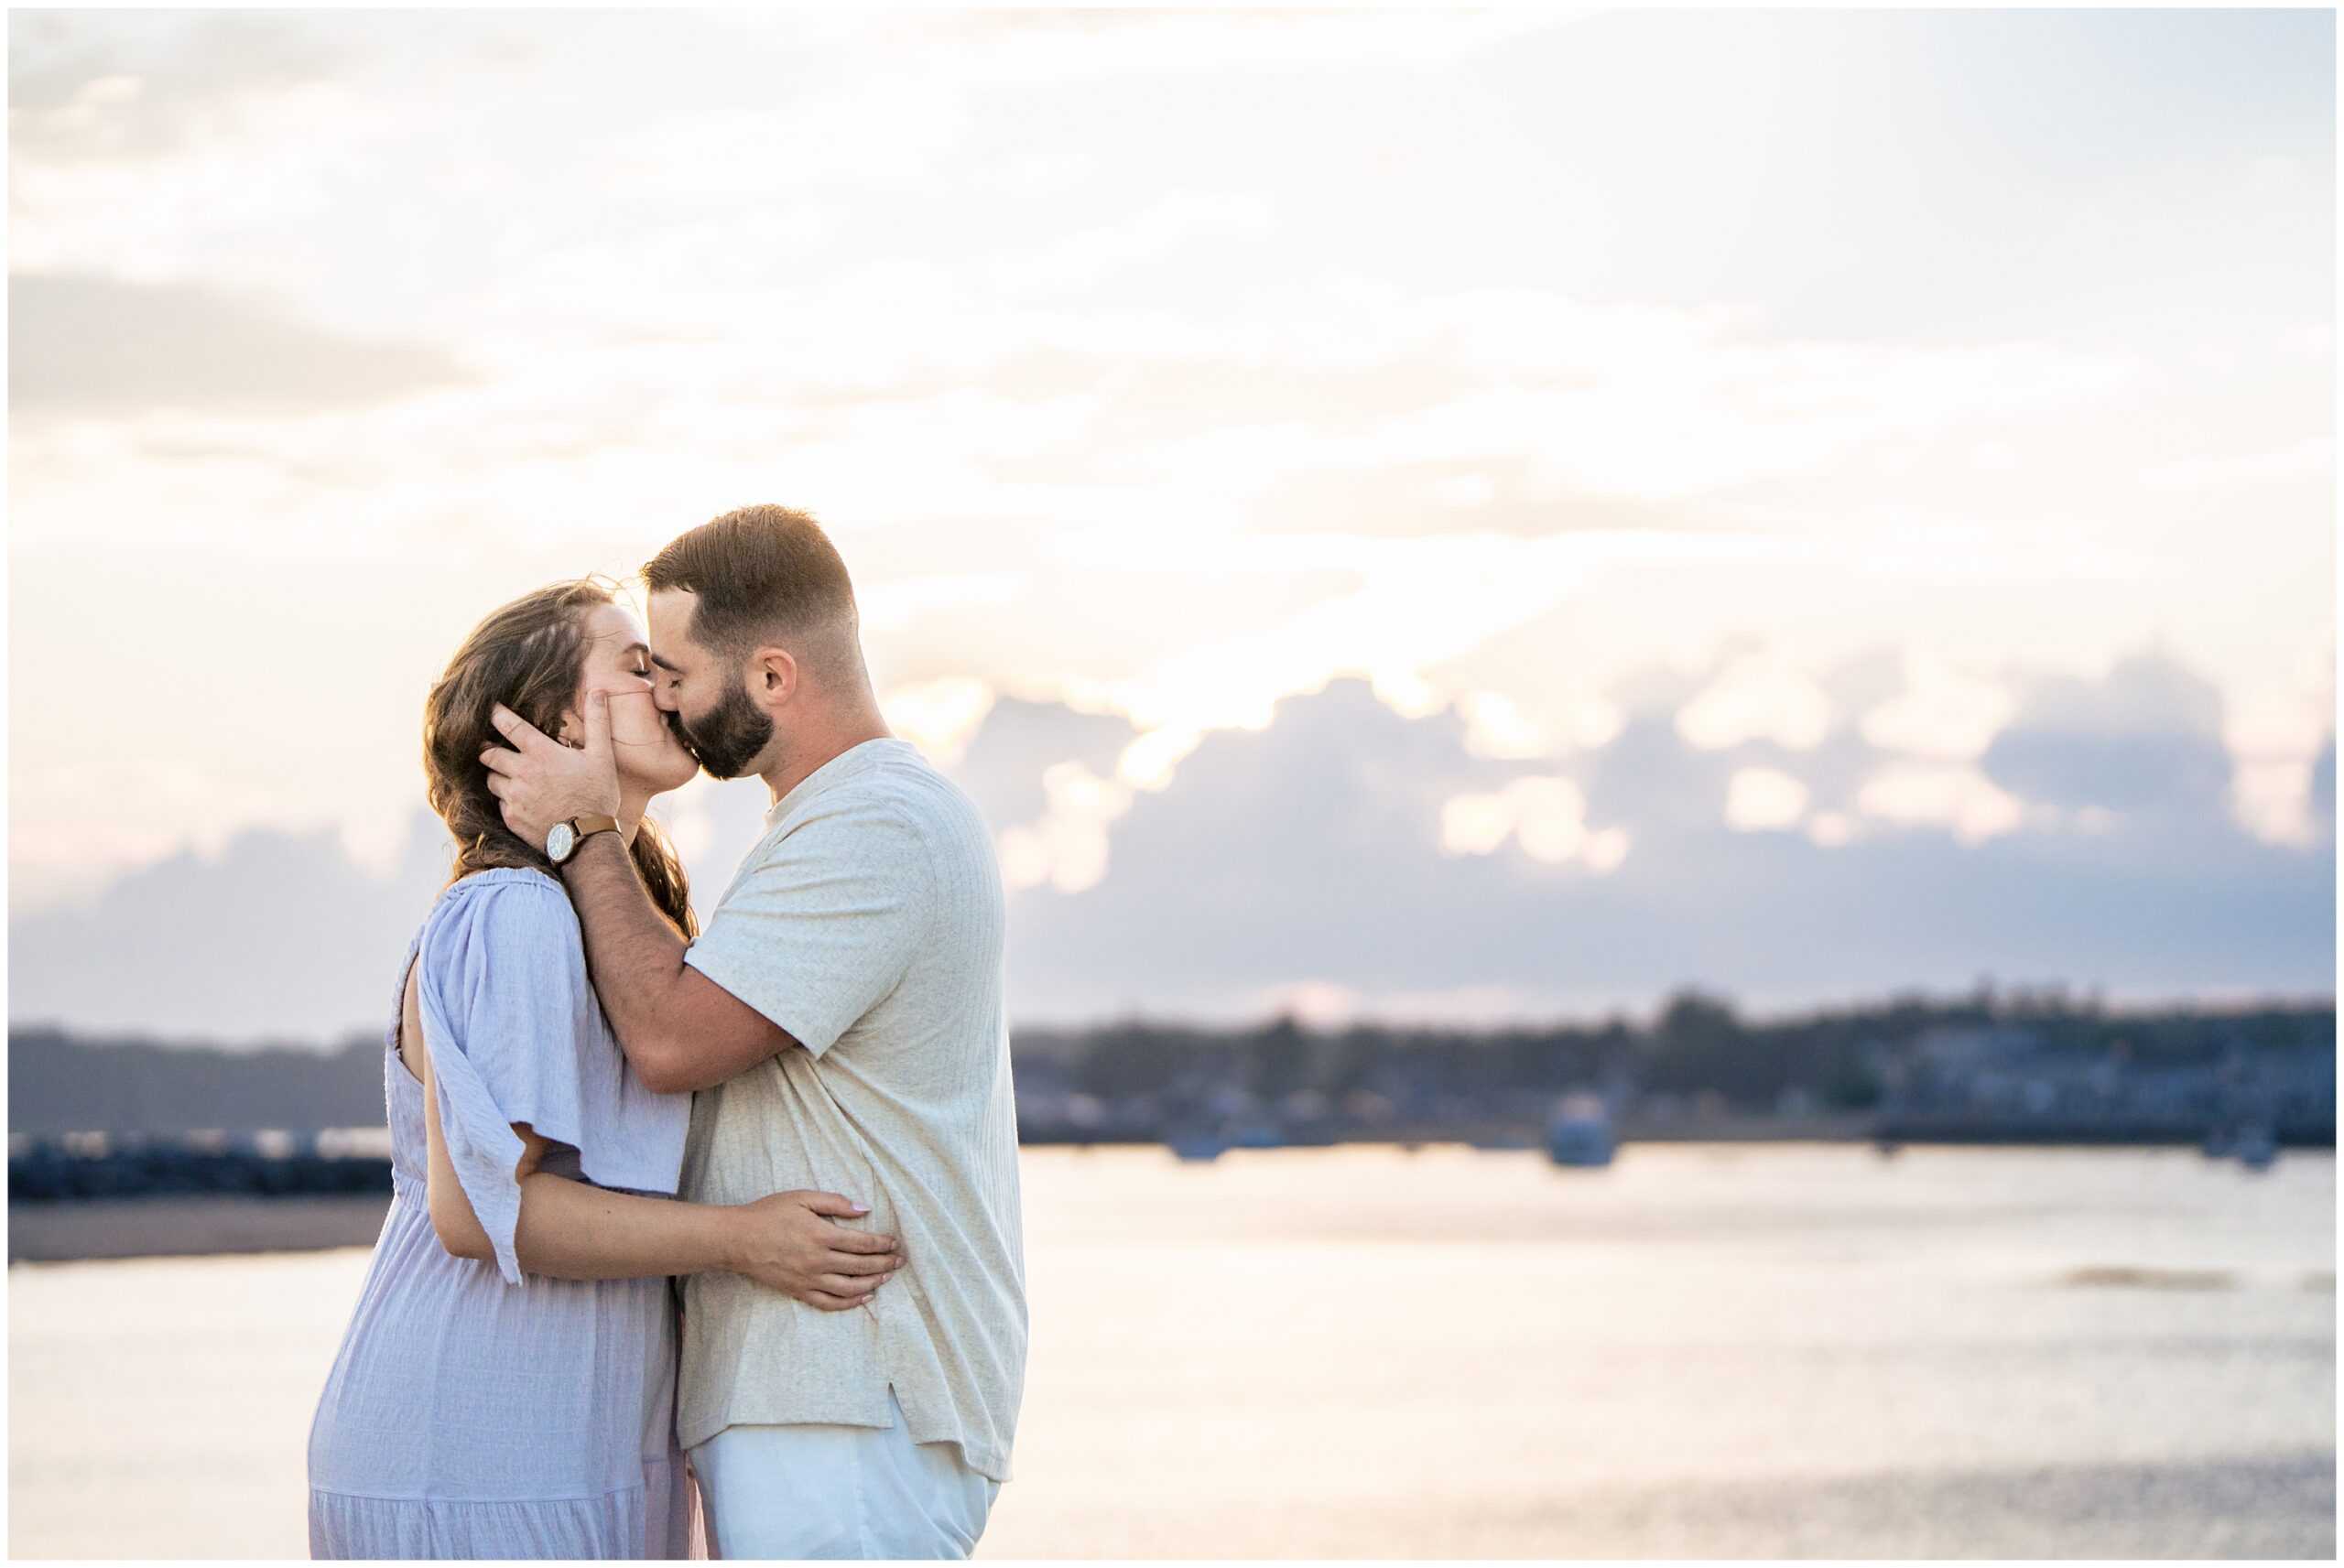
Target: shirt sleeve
[(823, 926), (515, 1035)]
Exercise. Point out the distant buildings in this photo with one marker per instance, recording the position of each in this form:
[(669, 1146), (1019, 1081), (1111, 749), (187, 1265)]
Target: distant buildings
[(2023, 1080)]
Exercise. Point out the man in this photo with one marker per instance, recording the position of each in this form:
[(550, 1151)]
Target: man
[(842, 1020)]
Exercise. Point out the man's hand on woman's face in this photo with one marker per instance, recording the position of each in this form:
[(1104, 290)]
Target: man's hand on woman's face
[(786, 1243), (541, 782)]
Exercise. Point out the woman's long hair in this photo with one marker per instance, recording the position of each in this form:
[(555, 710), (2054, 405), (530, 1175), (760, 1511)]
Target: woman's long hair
[(529, 655)]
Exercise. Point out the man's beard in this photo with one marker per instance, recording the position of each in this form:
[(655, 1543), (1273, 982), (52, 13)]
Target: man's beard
[(725, 741)]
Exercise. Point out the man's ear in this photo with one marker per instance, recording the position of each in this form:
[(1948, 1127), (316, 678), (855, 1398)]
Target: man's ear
[(773, 675)]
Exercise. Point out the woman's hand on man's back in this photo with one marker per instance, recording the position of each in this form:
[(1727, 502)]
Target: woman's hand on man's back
[(791, 1241)]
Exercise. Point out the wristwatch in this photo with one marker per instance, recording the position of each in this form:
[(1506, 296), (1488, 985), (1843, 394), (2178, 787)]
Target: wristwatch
[(564, 838)]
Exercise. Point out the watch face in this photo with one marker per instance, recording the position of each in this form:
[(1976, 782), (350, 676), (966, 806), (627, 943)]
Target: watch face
[(560, 842)]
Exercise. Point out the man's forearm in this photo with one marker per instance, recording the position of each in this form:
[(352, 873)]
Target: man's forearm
[(634, 955), (570, 1230)]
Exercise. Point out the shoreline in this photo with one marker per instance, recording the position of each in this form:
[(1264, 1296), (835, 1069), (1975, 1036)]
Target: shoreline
[(184, 1225), (94, 1229)]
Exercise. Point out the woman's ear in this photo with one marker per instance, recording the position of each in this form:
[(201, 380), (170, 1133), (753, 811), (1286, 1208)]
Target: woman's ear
[(569, 729)]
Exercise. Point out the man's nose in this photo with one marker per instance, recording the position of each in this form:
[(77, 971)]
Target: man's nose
[(664, 694)]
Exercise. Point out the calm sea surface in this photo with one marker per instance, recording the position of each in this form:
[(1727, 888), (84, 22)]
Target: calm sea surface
[(1706, 1350)]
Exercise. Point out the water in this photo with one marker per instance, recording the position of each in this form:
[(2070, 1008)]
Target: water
[(1705, 1351)]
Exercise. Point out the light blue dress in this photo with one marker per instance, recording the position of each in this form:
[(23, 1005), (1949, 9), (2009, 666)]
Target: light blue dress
[(473, 1411)]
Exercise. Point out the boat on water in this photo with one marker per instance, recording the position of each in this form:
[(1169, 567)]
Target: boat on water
[(2255, 1145), (1257, 1133), (1209, 1140), (1197, 1144), (1580, 1133)]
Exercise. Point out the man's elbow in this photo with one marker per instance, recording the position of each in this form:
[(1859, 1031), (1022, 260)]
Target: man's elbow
[(662, 1070), (655, 1052)]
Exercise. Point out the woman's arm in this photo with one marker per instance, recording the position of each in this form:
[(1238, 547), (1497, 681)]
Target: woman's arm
[(570, 1230)]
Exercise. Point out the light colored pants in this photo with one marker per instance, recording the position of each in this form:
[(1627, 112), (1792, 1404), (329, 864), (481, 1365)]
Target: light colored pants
[(816, 1490)]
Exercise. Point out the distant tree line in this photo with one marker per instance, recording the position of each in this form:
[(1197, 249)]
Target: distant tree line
[(1697, 1043), (62, 1082)]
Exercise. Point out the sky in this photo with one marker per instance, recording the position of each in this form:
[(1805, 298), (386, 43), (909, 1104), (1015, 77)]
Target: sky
[(1457, 515)]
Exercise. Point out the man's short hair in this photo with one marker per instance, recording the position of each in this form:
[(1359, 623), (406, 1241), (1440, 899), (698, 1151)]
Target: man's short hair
[(764, 575)]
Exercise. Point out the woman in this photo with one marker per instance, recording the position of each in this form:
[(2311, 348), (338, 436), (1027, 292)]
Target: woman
[(506, 1384)]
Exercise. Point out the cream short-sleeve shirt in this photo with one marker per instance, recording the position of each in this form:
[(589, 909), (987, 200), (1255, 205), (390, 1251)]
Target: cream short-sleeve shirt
[(869, 923)]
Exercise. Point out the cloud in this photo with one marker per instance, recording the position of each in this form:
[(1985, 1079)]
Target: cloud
[(1760, 799), (1338, 798), (1032, 46), (1045, 776), (1945, 713), (279, 935), (2144, 737), (1945, 794), (1350, 849), (1328, 850), (85, 344), (2323, 791), (1292, 378), (1020, 740), (1757, 695), (129, 87), (1170, 224), (2314, 457), (1501, 494)]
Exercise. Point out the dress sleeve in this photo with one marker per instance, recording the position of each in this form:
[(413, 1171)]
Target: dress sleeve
[(821, 928), (515, 1035)]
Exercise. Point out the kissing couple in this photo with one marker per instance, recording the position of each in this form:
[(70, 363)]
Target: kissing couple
[(801, 1115)]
